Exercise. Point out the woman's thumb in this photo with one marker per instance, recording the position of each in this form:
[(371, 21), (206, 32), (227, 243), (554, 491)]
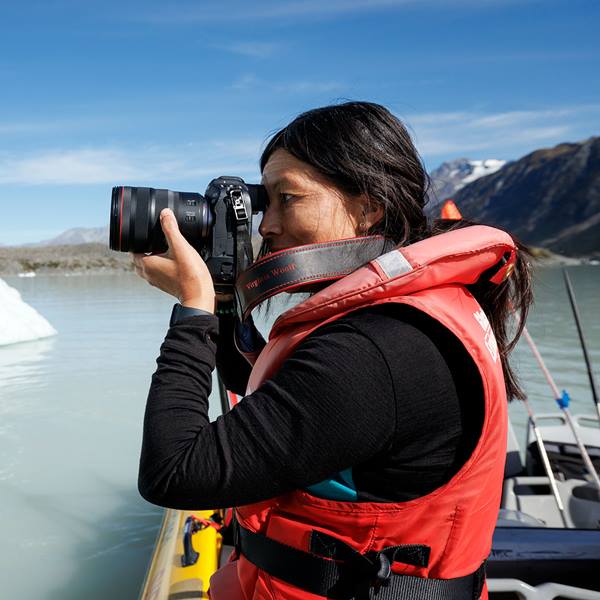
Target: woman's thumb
[(170, 228)]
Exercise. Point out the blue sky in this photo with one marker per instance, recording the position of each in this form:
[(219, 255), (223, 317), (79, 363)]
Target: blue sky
[(171, 94)]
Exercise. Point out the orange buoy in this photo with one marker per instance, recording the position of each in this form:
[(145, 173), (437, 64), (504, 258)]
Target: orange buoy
[(450, 211)]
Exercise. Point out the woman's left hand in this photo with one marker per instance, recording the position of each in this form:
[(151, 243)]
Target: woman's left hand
[(181, 271)]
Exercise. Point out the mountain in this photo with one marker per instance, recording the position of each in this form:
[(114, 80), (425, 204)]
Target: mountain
[(453, 175), (549, 198), (77, 235)]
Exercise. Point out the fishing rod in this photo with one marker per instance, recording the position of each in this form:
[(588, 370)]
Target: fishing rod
[(563, 402), (586, 356), (546, 462)]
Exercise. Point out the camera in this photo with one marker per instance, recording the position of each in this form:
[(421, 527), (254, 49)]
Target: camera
[(218, 225)]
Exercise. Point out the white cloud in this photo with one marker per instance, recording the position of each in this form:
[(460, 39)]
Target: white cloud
[(246, 82), (250, 81), (504, 134), (463, 133), (252, 49), (318, 7), (66, 166), (51, 125), (278, 9), (438, 118), (518, 117), (150, 166), (25, 128), (265, 10), (304, 87)]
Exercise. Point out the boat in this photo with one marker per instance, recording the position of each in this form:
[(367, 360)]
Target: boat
[(186, 553), (535, 555), (190, 546)]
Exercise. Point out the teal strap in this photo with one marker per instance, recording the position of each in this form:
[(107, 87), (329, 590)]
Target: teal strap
[(339, 487)]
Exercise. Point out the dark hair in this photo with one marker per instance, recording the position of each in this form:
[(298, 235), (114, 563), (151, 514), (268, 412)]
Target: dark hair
[(363, 149)]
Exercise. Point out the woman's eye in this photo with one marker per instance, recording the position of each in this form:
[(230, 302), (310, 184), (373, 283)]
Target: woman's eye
[(285, 198)]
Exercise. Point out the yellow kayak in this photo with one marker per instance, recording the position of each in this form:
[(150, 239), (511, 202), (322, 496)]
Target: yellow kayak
[(167, 578), (177, 572)]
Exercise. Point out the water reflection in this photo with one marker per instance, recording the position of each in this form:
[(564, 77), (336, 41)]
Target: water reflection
[(80, 552), (23, 363)]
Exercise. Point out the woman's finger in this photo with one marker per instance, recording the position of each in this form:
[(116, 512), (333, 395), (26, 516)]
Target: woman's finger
[(155, 262), (180, 271), (168, 222)]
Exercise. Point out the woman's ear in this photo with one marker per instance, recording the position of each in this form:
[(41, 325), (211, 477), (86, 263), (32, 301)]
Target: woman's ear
[(372, 214), (366, 214)]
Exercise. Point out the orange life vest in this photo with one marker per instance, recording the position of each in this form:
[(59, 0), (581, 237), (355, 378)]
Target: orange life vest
[(455, 521)]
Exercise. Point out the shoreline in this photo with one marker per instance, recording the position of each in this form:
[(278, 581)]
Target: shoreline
[(96, 259), (92, 258)]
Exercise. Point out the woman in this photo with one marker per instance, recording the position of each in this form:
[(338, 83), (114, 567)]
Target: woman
[(373, 427)]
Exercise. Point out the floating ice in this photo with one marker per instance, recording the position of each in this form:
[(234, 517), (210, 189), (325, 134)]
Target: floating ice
[(20, 322)]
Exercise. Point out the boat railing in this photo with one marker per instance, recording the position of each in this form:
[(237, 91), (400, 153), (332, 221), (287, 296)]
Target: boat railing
[(544, 591)]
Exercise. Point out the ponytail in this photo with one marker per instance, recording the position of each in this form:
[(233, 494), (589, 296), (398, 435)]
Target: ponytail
[(501, 302)]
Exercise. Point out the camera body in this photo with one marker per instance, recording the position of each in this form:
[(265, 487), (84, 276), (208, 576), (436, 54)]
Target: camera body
[(218, 225), (226, 255)]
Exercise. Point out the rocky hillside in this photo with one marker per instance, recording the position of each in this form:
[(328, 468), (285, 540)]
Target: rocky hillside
[(82, 258), (549, 198)]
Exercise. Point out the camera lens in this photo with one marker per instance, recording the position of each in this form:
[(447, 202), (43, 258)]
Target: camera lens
[(135, 224)]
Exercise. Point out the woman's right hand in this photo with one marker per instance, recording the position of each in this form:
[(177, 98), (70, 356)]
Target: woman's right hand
[(180, 271)]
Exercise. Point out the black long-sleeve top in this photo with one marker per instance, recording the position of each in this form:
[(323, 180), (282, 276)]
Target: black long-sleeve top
[(386, 390)]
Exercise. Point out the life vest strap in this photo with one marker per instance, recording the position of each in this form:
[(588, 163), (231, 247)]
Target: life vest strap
[(349, 575)]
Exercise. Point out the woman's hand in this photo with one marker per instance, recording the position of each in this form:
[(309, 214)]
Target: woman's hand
[(181, 271)]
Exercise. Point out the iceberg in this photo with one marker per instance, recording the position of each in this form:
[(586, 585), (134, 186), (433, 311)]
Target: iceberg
[(20, 322)]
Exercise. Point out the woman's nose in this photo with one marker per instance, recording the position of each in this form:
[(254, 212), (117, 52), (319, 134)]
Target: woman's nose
[(271, 223)]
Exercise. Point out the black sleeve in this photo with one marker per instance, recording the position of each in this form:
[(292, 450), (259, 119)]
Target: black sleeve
[(232, 367), (329, 407)]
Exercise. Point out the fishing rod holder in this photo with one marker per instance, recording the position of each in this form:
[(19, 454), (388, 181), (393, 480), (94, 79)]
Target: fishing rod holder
[(564, 400)]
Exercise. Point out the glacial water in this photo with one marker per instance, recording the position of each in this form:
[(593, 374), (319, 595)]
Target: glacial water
[(71, 408)]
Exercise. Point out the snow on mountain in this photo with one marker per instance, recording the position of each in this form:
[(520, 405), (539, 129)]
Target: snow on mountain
[(453, 175), (481, 168), (20, 322)]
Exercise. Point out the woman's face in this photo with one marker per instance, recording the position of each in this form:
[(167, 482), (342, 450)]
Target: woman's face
[(305, 208)]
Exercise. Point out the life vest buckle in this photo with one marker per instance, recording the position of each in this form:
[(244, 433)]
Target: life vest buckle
[(384, 571)]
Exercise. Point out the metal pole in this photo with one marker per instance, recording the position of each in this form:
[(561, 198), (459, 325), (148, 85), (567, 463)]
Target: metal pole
[(546, 461), (563, 400), (586, 356)]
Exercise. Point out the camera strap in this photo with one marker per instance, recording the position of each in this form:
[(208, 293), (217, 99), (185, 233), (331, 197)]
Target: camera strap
[(243, 248), (297, 268)]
